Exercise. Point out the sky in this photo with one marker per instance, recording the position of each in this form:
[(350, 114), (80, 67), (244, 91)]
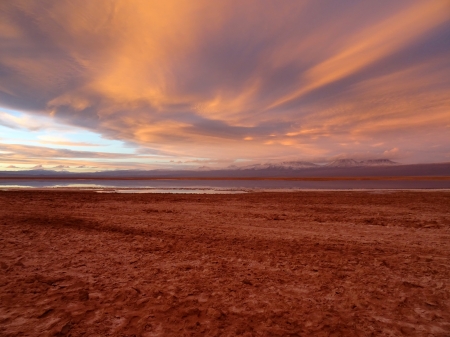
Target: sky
[(140, 84)]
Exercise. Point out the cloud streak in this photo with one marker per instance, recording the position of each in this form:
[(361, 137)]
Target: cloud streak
[(231, 80)]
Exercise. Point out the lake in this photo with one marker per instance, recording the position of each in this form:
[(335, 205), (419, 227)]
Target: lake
[(220, 186)]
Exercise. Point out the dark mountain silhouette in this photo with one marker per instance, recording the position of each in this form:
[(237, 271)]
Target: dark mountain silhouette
[(341, 168), (354, 163), (283, 165)]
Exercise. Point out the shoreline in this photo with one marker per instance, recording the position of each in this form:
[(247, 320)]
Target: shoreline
[(352, 178), (183, 190)]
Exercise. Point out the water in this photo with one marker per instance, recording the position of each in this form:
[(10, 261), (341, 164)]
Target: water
[(222, 186), (174, 191)]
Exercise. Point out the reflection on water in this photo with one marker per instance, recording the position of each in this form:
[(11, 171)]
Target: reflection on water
[(223, 186), (174, 190), (33, 184), (15, 186)]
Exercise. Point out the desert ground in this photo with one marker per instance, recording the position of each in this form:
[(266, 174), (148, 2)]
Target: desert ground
[(77, 263)]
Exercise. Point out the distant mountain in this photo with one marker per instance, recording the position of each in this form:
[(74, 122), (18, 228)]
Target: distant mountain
[(344, 163), (354, 163), (379, 162), (290, 165), (288, 169)]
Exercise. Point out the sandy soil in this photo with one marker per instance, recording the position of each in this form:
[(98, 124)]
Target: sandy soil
[(259, 264)]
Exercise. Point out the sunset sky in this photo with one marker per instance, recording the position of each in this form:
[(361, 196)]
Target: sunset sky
[(97, 85)]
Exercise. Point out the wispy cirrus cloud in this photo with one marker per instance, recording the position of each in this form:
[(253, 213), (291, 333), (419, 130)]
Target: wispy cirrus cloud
[(22, 122), (46, 152), (60, 158), (58, 140), (231, 80)]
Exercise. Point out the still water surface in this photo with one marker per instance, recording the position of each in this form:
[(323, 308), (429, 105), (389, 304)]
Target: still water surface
[(222, 186)]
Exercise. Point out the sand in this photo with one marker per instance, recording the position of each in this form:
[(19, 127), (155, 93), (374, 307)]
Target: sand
[(256, 264)]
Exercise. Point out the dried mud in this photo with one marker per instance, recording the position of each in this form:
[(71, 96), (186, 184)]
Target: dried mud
[(259, 264)]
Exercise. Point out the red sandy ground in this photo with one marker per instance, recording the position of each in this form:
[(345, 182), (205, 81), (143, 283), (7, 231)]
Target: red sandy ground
[(258, 264)]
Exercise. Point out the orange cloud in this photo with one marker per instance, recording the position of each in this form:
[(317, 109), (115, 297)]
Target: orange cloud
[(208, 79), (374, 43)]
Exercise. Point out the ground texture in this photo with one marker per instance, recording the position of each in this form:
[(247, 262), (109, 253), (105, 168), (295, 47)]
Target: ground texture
[(257, 264)]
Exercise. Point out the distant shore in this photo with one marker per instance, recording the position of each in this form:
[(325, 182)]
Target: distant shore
[(231, 178)]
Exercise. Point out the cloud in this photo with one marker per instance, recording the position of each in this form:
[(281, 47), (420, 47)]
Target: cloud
[(208, 79), (15, 154), (61, 167), (23, 122), (372, 44), (55, 140), (392, 151), (37, 167), (28, 151), (11, 166)]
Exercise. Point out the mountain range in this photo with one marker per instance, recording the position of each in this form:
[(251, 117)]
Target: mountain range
[(295, 165), (288, 169)]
